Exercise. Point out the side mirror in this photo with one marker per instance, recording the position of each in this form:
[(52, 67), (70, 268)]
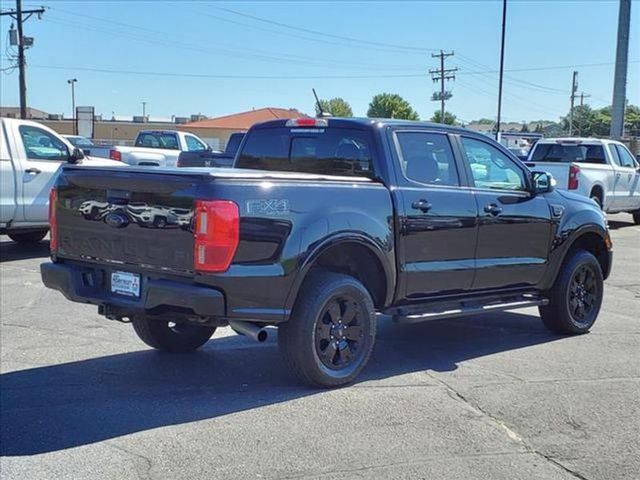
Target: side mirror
[(76, 155), (542, 182), (209, 148)]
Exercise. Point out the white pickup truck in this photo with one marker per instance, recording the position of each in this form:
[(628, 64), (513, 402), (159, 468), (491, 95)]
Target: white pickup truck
[(603, 170), (30, 159), (158, 148)]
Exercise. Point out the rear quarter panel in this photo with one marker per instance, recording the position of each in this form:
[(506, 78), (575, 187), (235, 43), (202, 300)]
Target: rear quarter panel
[(284, 225)]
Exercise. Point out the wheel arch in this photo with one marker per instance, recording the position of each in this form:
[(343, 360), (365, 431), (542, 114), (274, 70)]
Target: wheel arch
[(598, 189), (354, 254), (592, 238)]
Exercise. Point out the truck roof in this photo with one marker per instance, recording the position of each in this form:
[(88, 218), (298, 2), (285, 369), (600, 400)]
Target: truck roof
[(365, 122), (578, 140)]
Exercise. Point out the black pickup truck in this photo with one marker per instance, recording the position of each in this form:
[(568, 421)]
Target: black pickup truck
[(321, 224)]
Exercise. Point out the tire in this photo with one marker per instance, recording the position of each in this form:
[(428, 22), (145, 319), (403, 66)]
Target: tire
[(169, 337), (636, 217), (159, 222), (576, 296), (330, 335), (28, 238)]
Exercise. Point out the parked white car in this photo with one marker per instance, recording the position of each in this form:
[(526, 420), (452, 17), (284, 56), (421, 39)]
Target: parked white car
[(603, 170), (31, 156), (158, 148)]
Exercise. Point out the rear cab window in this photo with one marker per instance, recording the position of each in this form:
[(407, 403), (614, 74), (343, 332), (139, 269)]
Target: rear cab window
[(166, 140), (568, 153), (324, 151)]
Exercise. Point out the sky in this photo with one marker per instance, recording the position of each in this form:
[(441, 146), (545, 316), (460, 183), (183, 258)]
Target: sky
[(218, 58)]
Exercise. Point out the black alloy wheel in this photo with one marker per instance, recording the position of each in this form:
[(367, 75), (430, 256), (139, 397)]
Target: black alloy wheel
[(340, 332), (583, 293)]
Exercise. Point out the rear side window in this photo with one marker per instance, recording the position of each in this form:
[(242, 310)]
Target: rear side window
[(428, 158), (626, 159), (327, 151), (557, 152), (158, 140)]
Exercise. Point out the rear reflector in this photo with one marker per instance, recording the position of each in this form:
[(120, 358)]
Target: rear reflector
[(307, 122), (53, 219), (574, 170), (217, 234), (115, 155)]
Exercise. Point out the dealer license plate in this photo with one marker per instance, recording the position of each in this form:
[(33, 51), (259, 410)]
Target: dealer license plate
[(125, 283)]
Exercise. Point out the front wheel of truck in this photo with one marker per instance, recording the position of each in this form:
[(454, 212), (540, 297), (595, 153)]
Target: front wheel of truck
[(329, 338), (576, 295), (170, 336)]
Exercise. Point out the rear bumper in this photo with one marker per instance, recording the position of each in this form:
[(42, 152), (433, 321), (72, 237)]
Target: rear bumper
[(91, 284)]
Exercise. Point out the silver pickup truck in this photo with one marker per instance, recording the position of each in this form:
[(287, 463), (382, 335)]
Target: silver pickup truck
[(30, 159)]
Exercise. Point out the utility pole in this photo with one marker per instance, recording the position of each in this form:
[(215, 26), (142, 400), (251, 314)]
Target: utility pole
[(144, 110), (72, 82), (441, 75), (620, 76), (574, 89), (582, 97), (18, 16), (504, 29)]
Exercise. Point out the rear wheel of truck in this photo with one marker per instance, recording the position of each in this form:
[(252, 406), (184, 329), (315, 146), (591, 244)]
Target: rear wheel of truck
[(576, 295), (330, 335), (170, 336), (636, 217), (26, 238)]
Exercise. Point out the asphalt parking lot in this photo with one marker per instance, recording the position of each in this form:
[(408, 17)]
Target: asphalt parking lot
[(491, 397)]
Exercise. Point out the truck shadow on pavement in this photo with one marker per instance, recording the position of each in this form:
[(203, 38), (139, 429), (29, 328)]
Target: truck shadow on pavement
[(12, 251), (56, 407)]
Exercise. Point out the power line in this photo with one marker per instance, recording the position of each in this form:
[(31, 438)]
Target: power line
[(253, 53), (222, 76), (324, 34)]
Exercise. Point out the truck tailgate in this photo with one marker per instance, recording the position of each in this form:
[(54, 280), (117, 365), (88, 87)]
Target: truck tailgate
[(114, 217), (559, 170)]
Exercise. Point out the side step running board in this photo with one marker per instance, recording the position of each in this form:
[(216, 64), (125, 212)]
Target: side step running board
[(451, 310)]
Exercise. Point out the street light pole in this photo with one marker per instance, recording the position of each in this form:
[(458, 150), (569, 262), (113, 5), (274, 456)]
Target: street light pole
[(504, 27), (72, 82)]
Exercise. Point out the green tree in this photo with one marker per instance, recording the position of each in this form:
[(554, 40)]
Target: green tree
[(391, 105), (484, 121), (525, 127), (338, 107), (632, 120), (449, 118), (584, 118), (539, 128)]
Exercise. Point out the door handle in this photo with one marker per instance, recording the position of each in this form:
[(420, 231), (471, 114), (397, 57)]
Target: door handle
[(34, 171), (421, 205), (493, 209)]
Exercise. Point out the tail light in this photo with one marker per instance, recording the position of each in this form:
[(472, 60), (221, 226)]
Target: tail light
[(574, 170), (217, 233), (53, 219), (115, 155)]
